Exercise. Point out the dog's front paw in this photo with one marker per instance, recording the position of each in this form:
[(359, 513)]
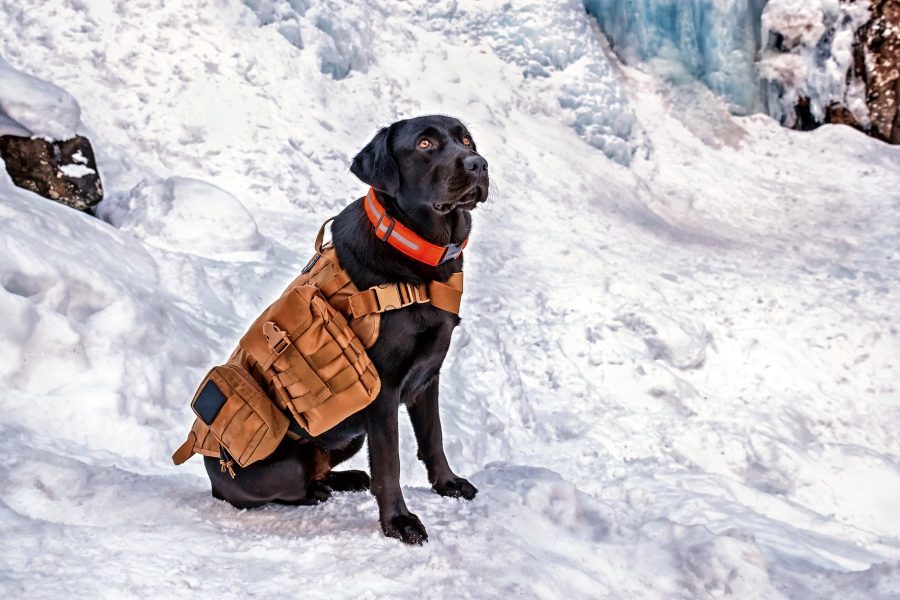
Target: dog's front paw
[(456, 487), (406, 528)]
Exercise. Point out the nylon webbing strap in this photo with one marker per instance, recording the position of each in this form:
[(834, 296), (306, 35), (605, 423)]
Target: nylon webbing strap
[(320, 237), (186, 450), (447, 296), (391, 296)]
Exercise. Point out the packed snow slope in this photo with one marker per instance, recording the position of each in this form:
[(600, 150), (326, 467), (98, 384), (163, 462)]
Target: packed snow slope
[(674, 379)]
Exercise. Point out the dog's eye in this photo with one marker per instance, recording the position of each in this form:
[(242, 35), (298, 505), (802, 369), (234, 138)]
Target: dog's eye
[(467, 141), (424, 144)]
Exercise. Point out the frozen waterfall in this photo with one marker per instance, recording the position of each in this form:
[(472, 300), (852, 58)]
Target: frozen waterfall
[(795, 59), (712, 40)]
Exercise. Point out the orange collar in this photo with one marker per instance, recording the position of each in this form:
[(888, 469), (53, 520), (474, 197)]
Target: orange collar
[(404, 239)]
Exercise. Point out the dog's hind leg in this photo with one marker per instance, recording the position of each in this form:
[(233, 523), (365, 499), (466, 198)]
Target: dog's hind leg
[(283, 477), (338, 455), (347, 481)]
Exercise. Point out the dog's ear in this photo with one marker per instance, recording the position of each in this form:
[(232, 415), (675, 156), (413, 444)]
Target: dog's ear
[(375, 164)]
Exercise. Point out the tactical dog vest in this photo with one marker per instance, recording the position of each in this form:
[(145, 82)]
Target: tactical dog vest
[(302, 360)]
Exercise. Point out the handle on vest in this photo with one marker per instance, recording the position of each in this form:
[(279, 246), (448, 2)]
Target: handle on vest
[(186, 450), (320, 237)]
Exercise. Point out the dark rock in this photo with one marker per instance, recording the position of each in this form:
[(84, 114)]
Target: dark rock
[(873, 75), (805, 119), (876, 60), (63, 171), (841, 115), (880, 39)]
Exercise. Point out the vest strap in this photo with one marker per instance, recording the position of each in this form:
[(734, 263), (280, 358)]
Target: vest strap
[(320, 237), (186, 450), (392, 296)]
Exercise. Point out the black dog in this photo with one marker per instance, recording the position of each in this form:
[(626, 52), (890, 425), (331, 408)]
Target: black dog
[(429, 175)]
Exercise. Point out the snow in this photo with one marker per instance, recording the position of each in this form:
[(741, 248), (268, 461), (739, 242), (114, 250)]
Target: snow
[(32, 107), (549, 40), (676, 374), (814, 58), (337, 32), (556, 47), (185, 215), (10, 127), (76, 170)]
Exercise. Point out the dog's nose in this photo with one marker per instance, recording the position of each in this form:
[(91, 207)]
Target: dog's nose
[(476, 164)]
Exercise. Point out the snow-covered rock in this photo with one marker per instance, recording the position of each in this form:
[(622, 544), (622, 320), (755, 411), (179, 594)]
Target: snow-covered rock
[(880, 41), (65, 171), (40, 145), (804, 62)]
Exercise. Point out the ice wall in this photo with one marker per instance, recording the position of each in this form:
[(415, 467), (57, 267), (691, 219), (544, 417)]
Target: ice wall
[(712, 40)]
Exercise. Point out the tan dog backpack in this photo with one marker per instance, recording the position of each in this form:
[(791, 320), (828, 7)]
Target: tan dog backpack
[(301, 360)]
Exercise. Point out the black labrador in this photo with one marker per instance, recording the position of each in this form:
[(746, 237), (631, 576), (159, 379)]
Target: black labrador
[(429, 176)]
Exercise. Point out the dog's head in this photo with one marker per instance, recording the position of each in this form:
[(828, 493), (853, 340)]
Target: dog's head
[(429, 166)]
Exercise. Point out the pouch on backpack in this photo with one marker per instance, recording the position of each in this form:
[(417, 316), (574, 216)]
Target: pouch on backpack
[(314, 364), (239, 414)]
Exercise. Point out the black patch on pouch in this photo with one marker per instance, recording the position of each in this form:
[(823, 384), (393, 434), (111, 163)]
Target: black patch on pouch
[(209, 402)]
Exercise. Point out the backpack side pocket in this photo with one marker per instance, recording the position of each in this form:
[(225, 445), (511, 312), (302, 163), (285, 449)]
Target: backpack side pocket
[(239, 414), (311, 360)]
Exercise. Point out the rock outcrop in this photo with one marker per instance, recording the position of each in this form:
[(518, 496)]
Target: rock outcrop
[(833, 63), (879, 45), (64, 171)]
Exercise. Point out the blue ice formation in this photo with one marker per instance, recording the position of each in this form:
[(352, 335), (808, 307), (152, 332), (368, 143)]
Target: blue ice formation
[(715, 41), (284, 15)]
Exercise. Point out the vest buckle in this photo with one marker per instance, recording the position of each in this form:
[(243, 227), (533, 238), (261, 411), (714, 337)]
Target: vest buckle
[(391, 296), (278, 338), (451, 252)]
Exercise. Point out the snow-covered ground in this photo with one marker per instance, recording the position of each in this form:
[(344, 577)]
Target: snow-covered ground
[(675, 378)]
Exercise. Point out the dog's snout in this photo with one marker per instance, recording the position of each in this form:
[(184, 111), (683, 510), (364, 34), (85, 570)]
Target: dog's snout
[(475, 163)]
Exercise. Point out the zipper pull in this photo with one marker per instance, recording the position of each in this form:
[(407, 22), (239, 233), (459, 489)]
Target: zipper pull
[(226, 464)]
